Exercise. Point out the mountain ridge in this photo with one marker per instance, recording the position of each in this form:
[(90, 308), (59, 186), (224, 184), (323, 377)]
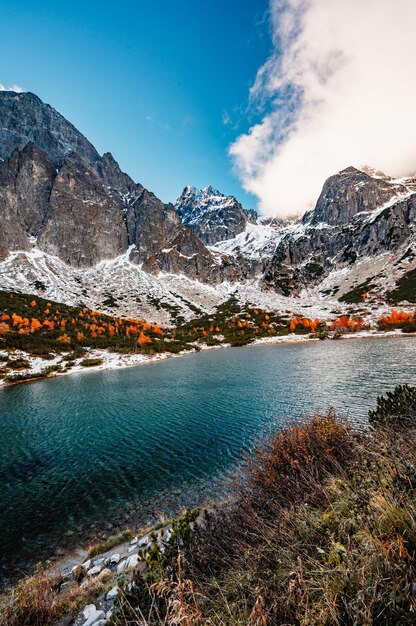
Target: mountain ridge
[(61, 202)]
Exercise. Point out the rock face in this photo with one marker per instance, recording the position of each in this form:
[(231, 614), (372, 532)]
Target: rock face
[(349, 192), (213, 216), (84, 224), (59, 196), (57, 193), (26, 179), (356, 217), (24, 118)]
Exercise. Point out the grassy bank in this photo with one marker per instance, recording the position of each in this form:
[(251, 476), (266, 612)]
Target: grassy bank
[(322, 531)]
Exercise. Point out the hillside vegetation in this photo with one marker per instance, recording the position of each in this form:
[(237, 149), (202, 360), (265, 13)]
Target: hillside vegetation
[(33, 327)]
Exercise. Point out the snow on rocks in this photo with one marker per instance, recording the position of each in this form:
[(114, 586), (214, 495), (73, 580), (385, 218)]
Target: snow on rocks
[(257, 241)]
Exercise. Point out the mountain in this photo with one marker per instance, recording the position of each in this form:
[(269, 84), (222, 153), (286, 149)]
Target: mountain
[(360, 235), (57, 192), (76, 228), (25, 118), (212, 215)]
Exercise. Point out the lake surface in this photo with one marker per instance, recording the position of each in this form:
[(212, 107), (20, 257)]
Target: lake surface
[(150, 439)]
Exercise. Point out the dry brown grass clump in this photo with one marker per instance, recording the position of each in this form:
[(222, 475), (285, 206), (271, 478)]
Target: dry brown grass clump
[(38, 601)]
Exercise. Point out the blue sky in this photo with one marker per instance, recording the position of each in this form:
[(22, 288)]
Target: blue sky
[(163, 85)]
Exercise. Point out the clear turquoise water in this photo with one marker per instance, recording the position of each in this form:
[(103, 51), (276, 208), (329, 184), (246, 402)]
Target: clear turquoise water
[(82, 448)]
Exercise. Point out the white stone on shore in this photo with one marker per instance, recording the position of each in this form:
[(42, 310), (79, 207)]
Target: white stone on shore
[(131, 548), (94, 570), (132, 560), (134, 541), (104, 573), (115, 558), (112, 593), (86, 564), (98, 562), (92, 615)]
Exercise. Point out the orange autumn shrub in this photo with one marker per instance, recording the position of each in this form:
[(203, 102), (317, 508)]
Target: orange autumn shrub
[(303, 322), (35, 325), (304, 453), (156, 329), (397, 317), (143, 339), (64, 339), (4, 328), (348, 323)]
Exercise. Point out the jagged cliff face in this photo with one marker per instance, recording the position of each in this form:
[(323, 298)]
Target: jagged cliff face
[(84, 226), (213, 216), (24, 118), (58, 193), (349, 192), (25, 184), (357, 217)]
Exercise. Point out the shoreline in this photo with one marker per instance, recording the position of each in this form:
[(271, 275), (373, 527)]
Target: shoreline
[(113, 361)]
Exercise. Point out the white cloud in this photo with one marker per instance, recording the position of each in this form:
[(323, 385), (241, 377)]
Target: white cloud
[(15, 88), (340, 90)]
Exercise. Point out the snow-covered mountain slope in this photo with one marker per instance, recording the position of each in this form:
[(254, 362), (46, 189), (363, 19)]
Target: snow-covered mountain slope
[(79, 206), (116, 286), (358, 220), (119, 287), (257, 241), (76, 228)]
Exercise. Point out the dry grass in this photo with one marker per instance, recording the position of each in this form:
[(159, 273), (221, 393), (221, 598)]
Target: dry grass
[(322, 533), (37, 601), (111, 542)]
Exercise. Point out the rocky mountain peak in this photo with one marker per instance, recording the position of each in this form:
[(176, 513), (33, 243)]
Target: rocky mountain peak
[(25, 118), (213, 215), (352, 191)]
